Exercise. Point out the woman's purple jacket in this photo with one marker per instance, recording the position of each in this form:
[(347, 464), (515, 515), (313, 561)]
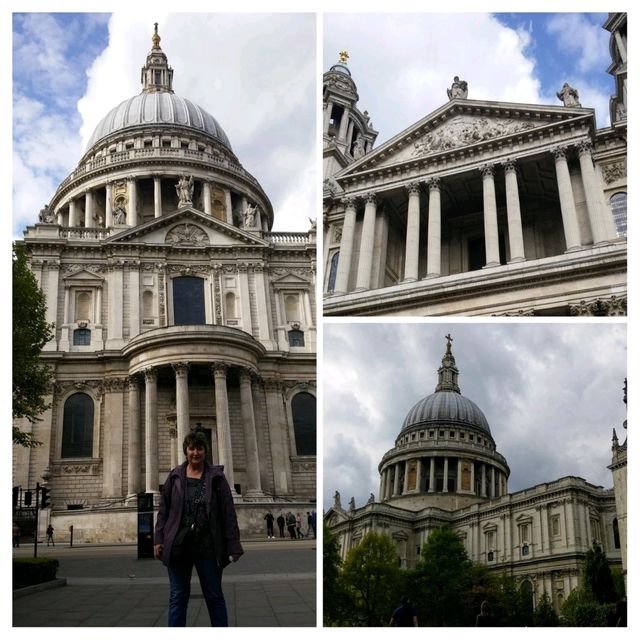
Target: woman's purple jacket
[(220, 512)]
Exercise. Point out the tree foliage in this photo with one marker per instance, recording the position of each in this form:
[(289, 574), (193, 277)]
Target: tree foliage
[(31, 331), (336, 598), (372, 575), (544, 614), (597, 575)]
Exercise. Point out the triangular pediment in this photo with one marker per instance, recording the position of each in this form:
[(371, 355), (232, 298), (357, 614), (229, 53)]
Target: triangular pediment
[(83, 277), (288, 279), (461, 124), (187, 227)]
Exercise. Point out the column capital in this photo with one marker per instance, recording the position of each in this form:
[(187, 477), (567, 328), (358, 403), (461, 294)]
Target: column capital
[(510, 165), (150, 374), (584, 147), (412, 188), (349, 202), (247, 374), (487, 170), (370, 198), (560, 152), (434, 183), (134, 382), (220, 369), (181, 369)]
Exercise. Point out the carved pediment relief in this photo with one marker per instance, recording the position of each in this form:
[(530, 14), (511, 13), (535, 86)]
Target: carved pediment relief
[(464, 130), (187, 235)]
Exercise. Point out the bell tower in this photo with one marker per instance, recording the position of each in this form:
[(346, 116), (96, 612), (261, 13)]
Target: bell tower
[(156, 75)]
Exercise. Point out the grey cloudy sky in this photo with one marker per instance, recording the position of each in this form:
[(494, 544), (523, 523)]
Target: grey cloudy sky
[(551, 392), (402, 63), (255, 73)]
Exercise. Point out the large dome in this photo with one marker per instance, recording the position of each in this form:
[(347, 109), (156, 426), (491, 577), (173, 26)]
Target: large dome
[(448, 407), (160, 107)]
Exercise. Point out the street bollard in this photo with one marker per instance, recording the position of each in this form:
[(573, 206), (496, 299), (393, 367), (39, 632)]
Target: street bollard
[(71, 535)]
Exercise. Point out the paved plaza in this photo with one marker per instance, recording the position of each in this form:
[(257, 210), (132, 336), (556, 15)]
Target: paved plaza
[(273, 585)]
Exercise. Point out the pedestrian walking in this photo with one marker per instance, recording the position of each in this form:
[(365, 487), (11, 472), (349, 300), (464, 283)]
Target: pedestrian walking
[(291, 525), (298, 526), (50, 536), (313, 523), (269, 519), (16, 535), (197, 526), (405, 615), (281, 523)]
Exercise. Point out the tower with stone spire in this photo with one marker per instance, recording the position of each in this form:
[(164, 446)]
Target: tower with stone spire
[(156, 75), (448, 372)]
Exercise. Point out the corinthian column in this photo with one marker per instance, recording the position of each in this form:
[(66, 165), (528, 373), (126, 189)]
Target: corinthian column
[(595, 208), (73, 214), (492, 247), (181, 370), (344, 123), (567, 203), (346, 246), (254, 490), (365, 262), (151, 429), (133, 457), (157, 197), (223, 426), (412, 248), (108, 211), (206, 195), (133, 203), (514, 217), (88, 209), (434, 229)]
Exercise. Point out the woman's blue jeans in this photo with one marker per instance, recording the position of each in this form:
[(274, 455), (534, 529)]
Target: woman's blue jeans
[(210, 576)]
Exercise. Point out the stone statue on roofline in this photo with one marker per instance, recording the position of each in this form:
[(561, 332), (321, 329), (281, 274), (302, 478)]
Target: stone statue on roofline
[(336, 500), (569, 96), (46, 215), (184, 189), (459, 89)]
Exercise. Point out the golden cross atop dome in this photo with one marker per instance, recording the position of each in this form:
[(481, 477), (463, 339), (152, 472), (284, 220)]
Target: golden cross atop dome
[(449, 339), (344, 56)]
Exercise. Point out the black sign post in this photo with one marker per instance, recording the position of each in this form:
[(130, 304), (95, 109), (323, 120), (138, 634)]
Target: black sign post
[(145, 525)]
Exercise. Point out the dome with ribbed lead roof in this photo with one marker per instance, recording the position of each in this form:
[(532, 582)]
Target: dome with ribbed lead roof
[(447, 405)]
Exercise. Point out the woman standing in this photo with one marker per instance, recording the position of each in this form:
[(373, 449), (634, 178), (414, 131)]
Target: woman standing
[(196, 525)]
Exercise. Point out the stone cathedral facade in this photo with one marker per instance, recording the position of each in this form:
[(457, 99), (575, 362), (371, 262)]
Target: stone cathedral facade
[(480, 207), (445, 469), (175, 307)]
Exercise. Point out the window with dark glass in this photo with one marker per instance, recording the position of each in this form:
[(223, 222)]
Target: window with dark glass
[(77, 427), (296, 338), (188, 300), (303, 408), (82, 337), (333, 270)]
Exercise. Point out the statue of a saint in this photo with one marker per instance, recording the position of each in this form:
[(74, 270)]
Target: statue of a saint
[(184, 189), (352, 504), (569, 96), (371, 499), (119, 213), (46, 215), (336, 500), (250, 216), (312, 221), (358, 149), (459, 89)]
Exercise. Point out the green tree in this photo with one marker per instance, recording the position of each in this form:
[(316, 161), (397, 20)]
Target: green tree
[(441, 579), (544, 614), (31, 331), (581, 609), (371, 574), (336, 598), (597, 575)]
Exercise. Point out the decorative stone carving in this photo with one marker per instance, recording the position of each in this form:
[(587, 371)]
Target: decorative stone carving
[(584, 147), (250, 216), (434, 184), (119, 213), (559, 152), (613, 172), (358, 149), (465, 130), (337, 503), (331, 185), (569, 96), (613, 306), (46, 215), (337, 233), (412, 187), (184, 189), (459, 89), (187, 234), (352, 504), (488, 170)]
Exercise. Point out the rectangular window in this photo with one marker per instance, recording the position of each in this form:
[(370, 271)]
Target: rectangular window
[(188, 300)]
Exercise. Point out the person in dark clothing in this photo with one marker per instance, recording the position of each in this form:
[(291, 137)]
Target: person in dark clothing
[(196, 525), (269, 519), (485, 618), (280, 522), (405, 615), (291, 525)]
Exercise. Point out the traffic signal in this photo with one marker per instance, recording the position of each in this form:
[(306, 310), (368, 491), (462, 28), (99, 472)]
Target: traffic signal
[(45, 498), (16, 491), (27, 498)]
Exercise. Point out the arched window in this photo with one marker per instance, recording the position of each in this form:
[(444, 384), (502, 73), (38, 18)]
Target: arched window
[(618, 204), (526, 593), (303, 408), (77, 427), (188, 300), (333, 270)]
